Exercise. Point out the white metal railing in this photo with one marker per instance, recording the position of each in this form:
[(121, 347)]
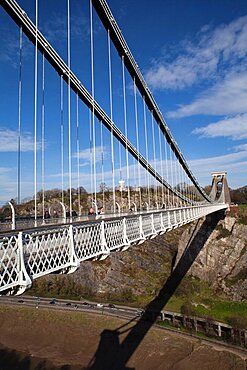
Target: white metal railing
[(28, 255)]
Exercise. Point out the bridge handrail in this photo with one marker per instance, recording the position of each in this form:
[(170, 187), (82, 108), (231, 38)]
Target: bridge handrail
[(26, 255), (28, 224)]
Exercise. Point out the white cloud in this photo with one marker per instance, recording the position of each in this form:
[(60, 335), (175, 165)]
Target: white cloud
[(227, 97), (235, 164), (10, 47), (9, 141), (86, 154), (201, 59), (7, 185), (4, 170), (241, 147), (234, 127)]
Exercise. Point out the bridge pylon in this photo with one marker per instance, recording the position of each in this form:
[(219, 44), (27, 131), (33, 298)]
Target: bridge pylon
[(220, 191)]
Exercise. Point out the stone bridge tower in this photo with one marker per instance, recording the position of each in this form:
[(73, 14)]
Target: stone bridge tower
[(220, 191)]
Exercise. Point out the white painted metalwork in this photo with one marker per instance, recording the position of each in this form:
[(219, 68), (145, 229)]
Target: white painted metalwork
[(12, 215), (28, 255)]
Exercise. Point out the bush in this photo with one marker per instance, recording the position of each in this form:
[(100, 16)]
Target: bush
[(242, 220), (187, 310), (237, 321), (223, 233), (127, 295)]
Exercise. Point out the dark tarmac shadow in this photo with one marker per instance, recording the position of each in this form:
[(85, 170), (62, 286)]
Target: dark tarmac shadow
[(113, 355)]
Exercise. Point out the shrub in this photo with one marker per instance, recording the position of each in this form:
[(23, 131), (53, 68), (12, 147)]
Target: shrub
[(242, 220), (223, 233), (187, 310), (237, 321)]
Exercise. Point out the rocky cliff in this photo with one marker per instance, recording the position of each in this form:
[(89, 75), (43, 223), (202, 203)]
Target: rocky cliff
[(136, 274), (214, 252), (223, 259)]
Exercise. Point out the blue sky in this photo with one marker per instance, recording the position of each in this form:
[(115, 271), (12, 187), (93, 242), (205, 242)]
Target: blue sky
[(193, 55)]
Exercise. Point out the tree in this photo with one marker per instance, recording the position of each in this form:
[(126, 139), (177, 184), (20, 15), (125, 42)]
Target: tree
[(103, 187)]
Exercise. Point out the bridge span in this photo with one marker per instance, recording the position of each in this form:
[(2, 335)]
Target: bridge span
[(144, 159), (29, 254)]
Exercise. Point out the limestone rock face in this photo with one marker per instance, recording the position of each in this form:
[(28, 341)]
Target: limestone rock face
[(218, 256), (222, 262), (141, 270)]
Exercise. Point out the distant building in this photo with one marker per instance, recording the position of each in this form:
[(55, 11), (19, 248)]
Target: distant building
[(122, 186)]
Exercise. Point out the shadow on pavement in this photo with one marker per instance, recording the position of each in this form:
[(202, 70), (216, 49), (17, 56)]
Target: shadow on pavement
[(113, 355)]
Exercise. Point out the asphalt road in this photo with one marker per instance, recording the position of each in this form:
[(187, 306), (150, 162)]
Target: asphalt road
[(70, 305), (128, 313)]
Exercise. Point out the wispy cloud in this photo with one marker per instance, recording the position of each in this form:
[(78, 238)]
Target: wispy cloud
[(4, 170), (200, 59), (7, 185), (226, 97), (234, 163), (233, 127), (87, 154), (9, 141), (55, 28), (10, 48), (241, 147)]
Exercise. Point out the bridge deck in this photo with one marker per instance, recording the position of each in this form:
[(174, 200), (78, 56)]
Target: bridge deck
[(31, 253)]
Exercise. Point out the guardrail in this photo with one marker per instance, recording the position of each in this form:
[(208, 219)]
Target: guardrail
[(29, 254)]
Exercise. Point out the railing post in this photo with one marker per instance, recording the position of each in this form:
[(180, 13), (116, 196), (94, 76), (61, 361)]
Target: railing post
[(64, 212), (161, 221), (118, 208), (96, 207), (141, 228), (74, 261), (104, 246), (169, 220), (175, 217), (191, 213), (180, 216), (125, 237), (13, 215), (24, 280), (188, 214), (152, 221)]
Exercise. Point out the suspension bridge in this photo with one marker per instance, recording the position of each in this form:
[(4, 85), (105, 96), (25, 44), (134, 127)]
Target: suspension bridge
[(139, 188)]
